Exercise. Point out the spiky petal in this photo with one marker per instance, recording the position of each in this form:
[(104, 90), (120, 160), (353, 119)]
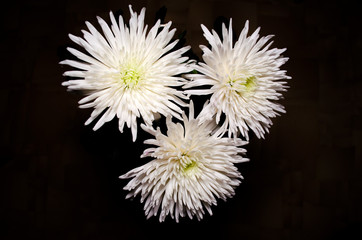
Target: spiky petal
[(192, 167), (128, 72), (245, 81)]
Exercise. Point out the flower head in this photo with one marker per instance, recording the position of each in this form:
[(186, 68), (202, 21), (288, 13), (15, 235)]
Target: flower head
[(244, 79), (192, 167), (128, 72)]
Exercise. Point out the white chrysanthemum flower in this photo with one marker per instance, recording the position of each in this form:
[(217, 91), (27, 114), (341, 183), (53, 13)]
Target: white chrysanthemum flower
[(244, 79), (128, 71), (192, 167)]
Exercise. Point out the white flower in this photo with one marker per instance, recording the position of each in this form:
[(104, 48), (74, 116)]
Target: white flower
[(244, 79), (192, 167), (128, 71)]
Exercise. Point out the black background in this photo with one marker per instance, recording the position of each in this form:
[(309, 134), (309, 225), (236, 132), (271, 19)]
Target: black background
[(59, 179)]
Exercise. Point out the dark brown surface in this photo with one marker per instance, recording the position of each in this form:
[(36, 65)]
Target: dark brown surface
[(59, 179)]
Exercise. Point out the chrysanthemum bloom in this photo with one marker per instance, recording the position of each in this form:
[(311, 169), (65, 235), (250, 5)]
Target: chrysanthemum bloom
[(192, 167), (128, 72), (245, 80)]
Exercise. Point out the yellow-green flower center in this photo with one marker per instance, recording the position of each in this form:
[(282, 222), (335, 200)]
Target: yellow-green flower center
[(243, 85), (189, 167), (188, 164), (130, 78), (250, 83), (129, 75)]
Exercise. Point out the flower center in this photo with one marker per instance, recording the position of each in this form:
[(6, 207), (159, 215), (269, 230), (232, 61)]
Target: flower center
[(243, 86), (130, 77), (129, 74), (250, 83), (188, 164)]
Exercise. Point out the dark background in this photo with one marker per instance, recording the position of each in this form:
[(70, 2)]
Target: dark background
[(59, 179)]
